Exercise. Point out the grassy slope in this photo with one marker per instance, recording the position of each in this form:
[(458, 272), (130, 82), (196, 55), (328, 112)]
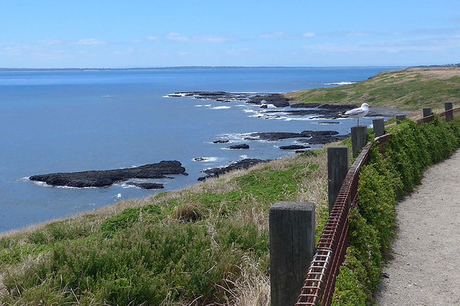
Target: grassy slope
[(111, 258), (408, 89), (205, 243)]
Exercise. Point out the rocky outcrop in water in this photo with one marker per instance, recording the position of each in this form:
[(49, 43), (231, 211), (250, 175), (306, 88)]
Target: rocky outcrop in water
[(294, 147), (277, 100), (149, 186), (310, 137), (242, 164), (243, 146), (105, 178), (319, 110)]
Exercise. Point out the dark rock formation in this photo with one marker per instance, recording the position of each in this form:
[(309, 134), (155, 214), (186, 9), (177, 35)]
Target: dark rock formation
[(309, 137), (277, 100), (213, 95), (200, 159), (221, 141), (329, 111), (275, 136), (104, 178), (147, 185), (323, 139), (242, 164), (243, 146), (294, 147), (320, 110)]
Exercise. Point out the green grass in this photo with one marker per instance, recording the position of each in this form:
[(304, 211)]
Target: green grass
[(409, 89), (170, 249)]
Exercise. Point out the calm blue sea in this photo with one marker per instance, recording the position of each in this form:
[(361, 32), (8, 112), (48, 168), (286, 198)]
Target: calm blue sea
[(75, 120)]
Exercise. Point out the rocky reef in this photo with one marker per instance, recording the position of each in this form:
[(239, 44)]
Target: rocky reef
[(105, 178), (309, 137), (239, 165)]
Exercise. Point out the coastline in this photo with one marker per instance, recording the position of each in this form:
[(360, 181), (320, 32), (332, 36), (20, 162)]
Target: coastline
[(123, 127)]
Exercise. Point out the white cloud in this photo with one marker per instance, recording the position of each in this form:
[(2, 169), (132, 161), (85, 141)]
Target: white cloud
[(350, 34), (178, 38), (208, 39), (273, 35), (90, 41), (214, 39), (308, 35), (284, 35), (52, 42), (389, 46)]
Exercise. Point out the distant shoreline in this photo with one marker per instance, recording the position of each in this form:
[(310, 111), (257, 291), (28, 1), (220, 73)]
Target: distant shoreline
[(198, 67)]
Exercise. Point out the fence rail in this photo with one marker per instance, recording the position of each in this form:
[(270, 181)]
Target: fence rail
[(319, 284)]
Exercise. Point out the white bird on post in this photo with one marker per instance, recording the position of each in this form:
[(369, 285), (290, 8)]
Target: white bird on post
[(359, 112)]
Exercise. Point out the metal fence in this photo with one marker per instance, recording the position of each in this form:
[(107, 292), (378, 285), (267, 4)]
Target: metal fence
[(319, 284), (330, 253)]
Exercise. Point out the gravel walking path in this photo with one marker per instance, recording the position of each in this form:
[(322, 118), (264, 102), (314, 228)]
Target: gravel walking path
[(425, 264)]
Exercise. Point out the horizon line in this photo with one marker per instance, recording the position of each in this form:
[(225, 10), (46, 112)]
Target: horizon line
[(209, 67)]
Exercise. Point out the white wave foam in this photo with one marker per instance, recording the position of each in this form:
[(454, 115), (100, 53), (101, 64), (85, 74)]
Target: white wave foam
[(221, 107), (205, 159), (43, 184), (339, 83), (176, 95), (296, 119), (203, 105)]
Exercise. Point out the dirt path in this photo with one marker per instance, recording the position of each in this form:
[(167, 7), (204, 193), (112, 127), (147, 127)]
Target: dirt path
[(425, 269)]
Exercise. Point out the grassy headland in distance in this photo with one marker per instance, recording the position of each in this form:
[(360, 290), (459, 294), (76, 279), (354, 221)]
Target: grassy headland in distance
[(206, 243), (408, 89)]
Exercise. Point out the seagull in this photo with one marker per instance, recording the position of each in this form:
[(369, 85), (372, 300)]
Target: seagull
[(358, 112)]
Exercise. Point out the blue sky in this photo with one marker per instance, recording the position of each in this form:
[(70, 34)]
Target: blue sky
[(150, 33)]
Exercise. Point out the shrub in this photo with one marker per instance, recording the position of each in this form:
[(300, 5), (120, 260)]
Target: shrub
[(385, 180)]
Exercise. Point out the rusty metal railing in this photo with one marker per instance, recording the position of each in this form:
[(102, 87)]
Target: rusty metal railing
[(427, 119), (319, 283)]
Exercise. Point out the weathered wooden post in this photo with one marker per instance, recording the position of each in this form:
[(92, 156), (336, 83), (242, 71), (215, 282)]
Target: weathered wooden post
[(449, 114), (292, 246), (338, 161), (426, 112), (358, 139), (379, 126), (400, 118)]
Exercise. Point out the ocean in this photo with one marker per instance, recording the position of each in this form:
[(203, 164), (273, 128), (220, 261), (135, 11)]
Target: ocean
[(76, 120)]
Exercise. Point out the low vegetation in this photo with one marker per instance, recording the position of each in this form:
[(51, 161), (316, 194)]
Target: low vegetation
[(209, 243), (204, 244), (408, 89), (383, 182)]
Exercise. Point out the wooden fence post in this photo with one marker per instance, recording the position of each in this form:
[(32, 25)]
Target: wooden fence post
[(358, 139), (338, 161), (379, 127), (426, 112), (448, 108), (400, 118), (292, 247)]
